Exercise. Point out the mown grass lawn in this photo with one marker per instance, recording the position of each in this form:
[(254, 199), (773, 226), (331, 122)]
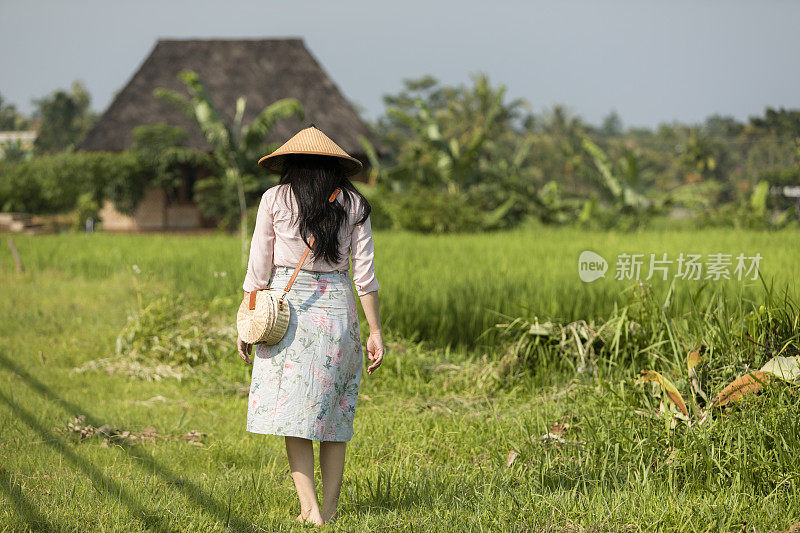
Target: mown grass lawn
[(434, 450)]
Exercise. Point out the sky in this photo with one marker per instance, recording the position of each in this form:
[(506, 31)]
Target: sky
[(650, 61)]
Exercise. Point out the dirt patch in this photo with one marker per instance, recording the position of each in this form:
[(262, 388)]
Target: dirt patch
[(80, 429)]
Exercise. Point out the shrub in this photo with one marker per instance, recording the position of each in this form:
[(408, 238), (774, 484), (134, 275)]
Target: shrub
[(781, 176), (87, 207), (429, 210), (53, 184), (377, 197)]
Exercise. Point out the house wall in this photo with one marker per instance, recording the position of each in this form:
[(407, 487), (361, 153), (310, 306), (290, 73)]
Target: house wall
[(183, 216), (152, 213)]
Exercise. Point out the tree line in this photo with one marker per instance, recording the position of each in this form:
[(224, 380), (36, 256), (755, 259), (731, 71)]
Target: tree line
[(460, 158)]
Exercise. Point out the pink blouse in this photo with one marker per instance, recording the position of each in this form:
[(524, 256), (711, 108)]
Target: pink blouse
[(276, 240)]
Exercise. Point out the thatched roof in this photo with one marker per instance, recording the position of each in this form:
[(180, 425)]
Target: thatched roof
[(262, 70)]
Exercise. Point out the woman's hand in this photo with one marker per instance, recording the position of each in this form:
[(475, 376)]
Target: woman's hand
[(244, 349), (374, 350)]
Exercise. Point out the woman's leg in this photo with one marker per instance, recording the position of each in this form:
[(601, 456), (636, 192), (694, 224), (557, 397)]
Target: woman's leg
[(331, 461), (301, 461)]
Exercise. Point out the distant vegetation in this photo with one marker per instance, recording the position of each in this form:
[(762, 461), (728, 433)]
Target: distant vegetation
[(122, 389), (468, 145), (461, 158)]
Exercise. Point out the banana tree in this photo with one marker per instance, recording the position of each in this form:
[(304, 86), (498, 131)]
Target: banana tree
[(698, 156), (625, 193), (233, 148), (435, 153)]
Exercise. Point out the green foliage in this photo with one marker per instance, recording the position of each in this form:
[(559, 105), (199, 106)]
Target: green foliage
[(457, 137), (700, 155), (756, 210), (620, 192), (87, 207), (125, 181), (53, 184), (780, 122), (758, 200), (450, 170), (19, 191), (10, 118), (612, 125), (454, 144), (498, 206), (218, 197), (781, 176), (162, 148), (152, 140), (236, 148), (379, 198), (65, 118), (449, 133), (434, 211), (14, 152)]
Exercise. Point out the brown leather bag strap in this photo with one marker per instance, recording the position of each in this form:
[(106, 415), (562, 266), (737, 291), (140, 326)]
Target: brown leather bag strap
[(308, 249), (252, 304)]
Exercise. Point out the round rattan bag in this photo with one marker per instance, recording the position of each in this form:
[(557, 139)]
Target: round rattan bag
[(263, 317)]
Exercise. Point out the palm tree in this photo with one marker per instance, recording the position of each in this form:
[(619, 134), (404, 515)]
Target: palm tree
[(623, 186), (445, 145), (233, 148)]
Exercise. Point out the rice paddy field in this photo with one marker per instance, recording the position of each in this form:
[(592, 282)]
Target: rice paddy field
[(123, 402)]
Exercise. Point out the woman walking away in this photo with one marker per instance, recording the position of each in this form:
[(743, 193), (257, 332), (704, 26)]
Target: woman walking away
[(305, 387)]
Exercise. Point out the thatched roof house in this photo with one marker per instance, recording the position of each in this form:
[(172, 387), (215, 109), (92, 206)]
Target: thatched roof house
[(262, 70)]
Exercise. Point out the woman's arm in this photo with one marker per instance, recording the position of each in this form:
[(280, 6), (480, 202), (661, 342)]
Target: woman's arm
[(262, 246), (362, 253), (259, 264), (369, 302)]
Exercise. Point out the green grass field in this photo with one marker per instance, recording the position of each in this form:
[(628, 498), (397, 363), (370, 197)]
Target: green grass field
[(436, 447), (443, 289)]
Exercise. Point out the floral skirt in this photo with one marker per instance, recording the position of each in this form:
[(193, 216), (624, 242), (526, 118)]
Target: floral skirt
[(307, 384)]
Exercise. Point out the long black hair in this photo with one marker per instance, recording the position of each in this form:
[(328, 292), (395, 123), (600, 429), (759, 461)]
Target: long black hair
[(313, 179)]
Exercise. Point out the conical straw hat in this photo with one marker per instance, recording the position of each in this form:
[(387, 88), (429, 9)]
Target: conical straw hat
[(310, 141)]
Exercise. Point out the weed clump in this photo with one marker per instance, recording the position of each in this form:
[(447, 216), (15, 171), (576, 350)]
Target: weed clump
[(170, 337)]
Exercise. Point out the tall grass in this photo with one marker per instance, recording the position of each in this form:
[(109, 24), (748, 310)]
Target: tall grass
[(445, 289)]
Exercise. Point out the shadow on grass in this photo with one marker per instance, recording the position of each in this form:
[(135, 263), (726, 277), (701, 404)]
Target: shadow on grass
[(27, 511), (393, 491), (104, 484)]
